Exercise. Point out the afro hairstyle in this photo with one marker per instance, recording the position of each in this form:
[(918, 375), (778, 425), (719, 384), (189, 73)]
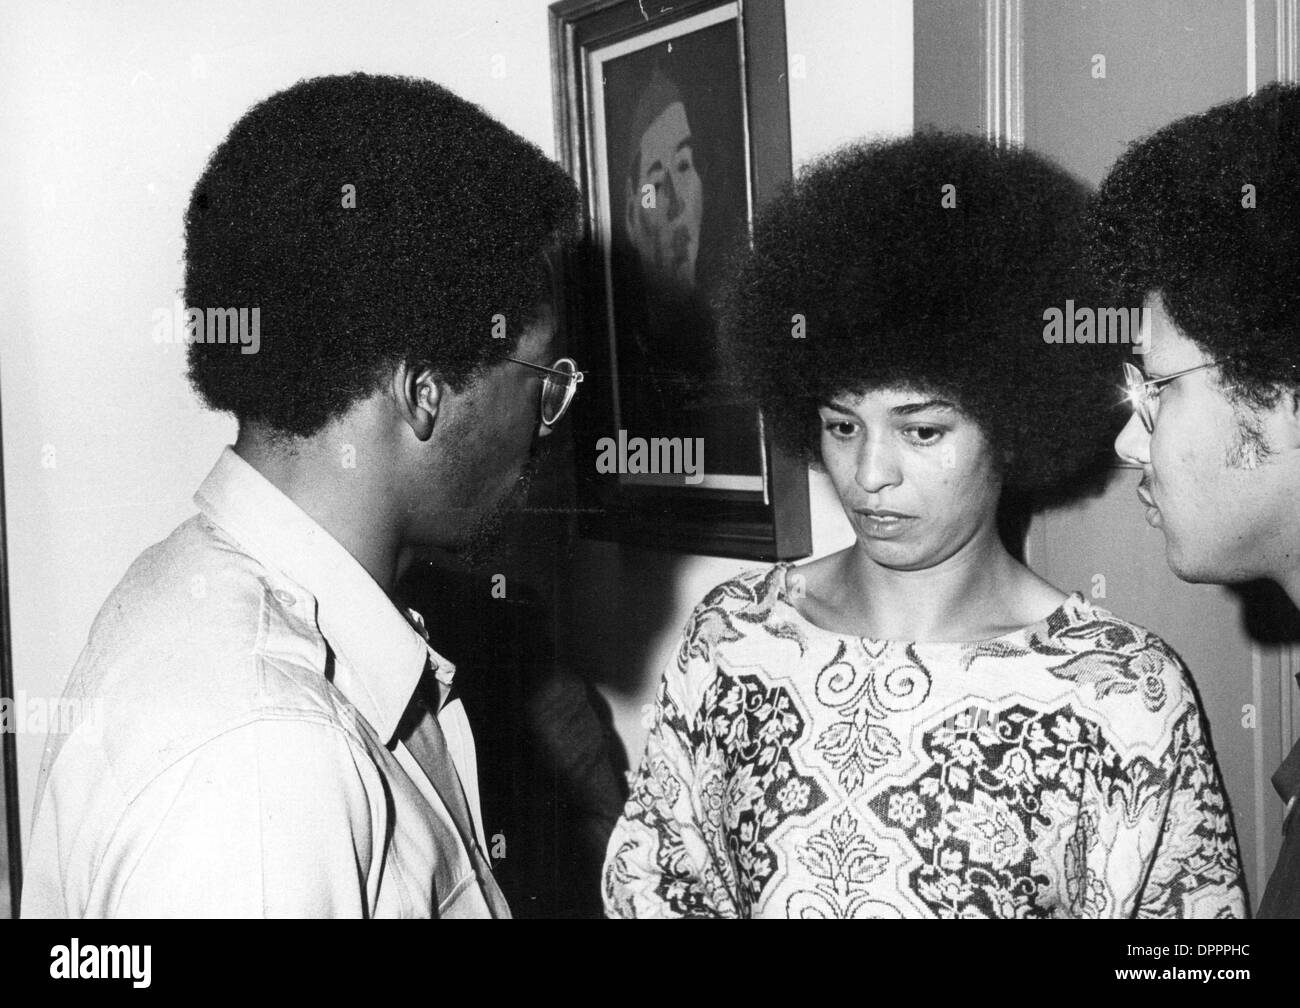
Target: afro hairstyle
[(1174, 218), (454, 216), (897, 290)]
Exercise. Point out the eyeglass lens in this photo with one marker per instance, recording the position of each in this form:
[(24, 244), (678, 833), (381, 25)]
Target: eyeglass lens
[(1139, 395), (556, 393)]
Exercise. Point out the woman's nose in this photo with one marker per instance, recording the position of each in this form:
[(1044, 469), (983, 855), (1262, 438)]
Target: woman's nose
[(877, 466)]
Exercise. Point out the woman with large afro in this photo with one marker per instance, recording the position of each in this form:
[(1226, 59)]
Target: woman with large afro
[(919, 725)]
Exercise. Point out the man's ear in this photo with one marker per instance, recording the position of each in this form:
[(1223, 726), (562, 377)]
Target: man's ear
[(418, 396)]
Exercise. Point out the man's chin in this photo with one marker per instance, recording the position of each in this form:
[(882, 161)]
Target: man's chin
[(484, 537), (1184, 566), (1197, 568)]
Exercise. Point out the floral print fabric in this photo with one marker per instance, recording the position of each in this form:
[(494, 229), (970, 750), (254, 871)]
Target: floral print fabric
[(1058, 771)]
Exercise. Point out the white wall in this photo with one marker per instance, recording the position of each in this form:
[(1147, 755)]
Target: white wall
[(110, 112), (857, 65)]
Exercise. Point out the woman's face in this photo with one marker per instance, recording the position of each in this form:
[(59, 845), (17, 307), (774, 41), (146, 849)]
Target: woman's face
[(916, 476)]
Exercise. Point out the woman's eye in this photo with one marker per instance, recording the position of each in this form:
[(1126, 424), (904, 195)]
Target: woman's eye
[(842, 429), (925, 435)]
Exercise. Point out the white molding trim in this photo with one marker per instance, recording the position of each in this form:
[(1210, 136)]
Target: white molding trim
[(1252, 73), (1289, 696), (1288, 59), (1004, 80)]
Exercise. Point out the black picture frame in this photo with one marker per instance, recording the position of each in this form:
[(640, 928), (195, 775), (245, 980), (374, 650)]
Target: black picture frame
[(8, 748), (724, 63)]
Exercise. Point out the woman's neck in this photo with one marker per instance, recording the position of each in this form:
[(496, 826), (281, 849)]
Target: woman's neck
[(980, 592)]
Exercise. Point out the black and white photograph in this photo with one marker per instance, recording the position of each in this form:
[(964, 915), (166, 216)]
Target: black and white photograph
[(664, 126), (618, 459), (663, 263)]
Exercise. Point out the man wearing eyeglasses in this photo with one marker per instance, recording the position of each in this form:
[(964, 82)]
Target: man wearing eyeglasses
[(1201, 221), (278, 738)]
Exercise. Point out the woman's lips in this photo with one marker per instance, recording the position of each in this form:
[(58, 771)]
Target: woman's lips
[(880, 524)]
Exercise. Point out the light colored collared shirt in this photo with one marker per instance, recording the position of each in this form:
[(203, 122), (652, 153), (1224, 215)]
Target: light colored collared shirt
[(241, 690)]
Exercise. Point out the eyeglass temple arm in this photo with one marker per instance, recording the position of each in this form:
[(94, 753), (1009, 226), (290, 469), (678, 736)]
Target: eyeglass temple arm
[(576, 376), (1178, 374)]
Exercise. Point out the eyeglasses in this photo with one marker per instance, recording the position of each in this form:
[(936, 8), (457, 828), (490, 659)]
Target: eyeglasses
[(558, 387), (1144, 393)]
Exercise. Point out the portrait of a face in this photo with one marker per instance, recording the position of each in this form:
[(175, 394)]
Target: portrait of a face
[(675, 166), (664, 196), (658, 128)]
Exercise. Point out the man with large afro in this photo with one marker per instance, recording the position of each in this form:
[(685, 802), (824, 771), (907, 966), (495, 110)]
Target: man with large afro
[(1201, 223), (278, 738)]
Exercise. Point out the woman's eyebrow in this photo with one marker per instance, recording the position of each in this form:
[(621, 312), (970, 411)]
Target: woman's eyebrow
[(908, 409), (827, 404)]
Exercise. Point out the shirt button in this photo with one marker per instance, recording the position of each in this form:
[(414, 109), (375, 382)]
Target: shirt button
[(283, 597)]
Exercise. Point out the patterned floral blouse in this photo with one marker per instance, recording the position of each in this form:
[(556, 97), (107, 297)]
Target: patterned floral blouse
[(1057, 771)]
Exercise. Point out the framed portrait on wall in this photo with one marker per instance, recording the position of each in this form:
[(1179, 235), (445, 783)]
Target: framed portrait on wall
[(674, 121)]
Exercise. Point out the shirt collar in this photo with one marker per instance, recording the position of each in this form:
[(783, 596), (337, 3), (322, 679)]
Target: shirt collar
[(386, 649)]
